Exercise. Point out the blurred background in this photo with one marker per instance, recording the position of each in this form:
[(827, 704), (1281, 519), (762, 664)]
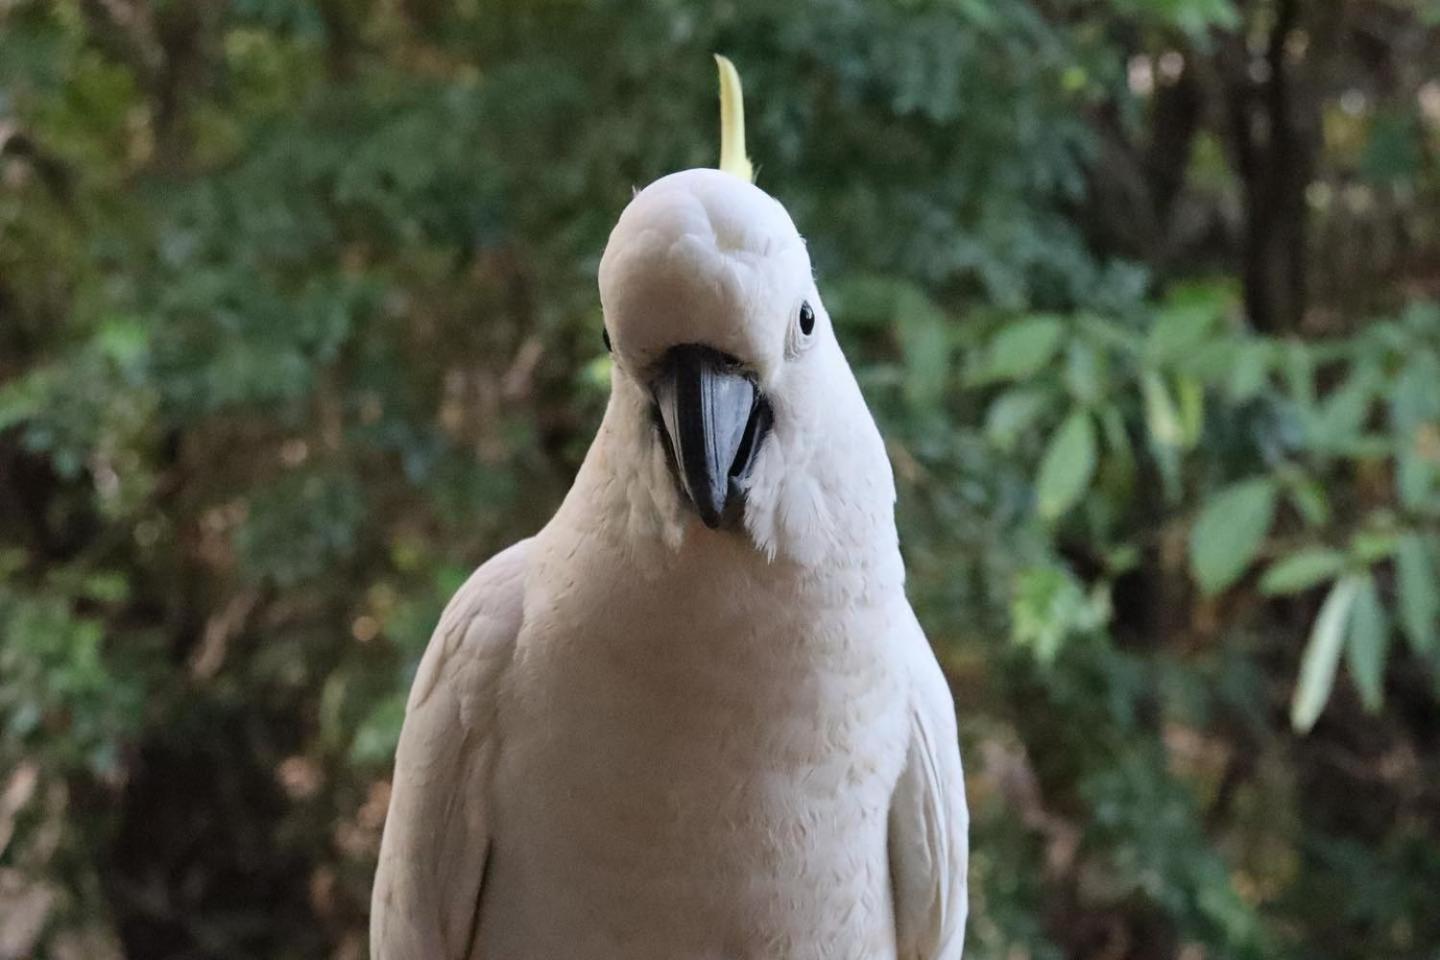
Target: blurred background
[(298, 324)]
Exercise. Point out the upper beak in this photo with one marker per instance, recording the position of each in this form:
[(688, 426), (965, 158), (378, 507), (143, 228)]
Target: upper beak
[(714, 417)]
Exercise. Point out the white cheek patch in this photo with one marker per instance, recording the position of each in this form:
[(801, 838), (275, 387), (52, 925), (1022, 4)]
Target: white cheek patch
[(786, 509), (760, 504), (807, 528)]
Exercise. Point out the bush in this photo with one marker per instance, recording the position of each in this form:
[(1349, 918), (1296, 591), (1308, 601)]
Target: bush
[(298, 324)]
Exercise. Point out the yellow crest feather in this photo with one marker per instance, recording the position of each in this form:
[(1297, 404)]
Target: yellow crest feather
[(732, 122)]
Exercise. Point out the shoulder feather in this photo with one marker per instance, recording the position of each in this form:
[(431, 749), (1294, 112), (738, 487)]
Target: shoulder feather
[(437, 831), (929, 822)]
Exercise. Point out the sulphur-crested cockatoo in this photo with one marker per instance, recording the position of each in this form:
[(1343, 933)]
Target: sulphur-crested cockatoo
[(694, 717)]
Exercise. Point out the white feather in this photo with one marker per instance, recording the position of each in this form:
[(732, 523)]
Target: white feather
[(654, 740), (438, 830)]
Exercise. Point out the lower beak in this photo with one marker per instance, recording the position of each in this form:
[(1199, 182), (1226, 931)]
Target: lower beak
[(714, 418)]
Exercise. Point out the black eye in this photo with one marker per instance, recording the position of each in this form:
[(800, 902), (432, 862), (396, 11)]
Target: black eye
[(605, 335), (807, 319)]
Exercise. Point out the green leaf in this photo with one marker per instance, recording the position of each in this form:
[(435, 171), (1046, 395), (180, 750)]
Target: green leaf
[(1049, 606), (1414, 414), (1302, 570), (1299, 369), (106, 587), (1413, 398), (1366, 643), (866, 301), (1161, 416), (1307, 495), (1117, 440), (1024, 347), (1322, 654), (1230, 531), (925, 346), (1181, 327), (1194, 17), (1067, 467), (1418, 592), (1415, 478), (1342, 414), (1085, 373), (1372, 546), (1012, 414), (1251, 367), (123, 340), (1192, 409)]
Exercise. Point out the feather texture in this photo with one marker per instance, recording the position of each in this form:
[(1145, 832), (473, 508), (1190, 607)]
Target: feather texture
[(437, 833), (929, 823), (636, 738)]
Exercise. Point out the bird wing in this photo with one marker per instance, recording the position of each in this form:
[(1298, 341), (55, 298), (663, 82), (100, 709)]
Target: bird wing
[(437, 833), (929, 822)]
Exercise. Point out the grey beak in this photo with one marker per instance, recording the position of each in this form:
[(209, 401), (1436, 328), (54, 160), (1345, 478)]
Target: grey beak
[(714, 418)]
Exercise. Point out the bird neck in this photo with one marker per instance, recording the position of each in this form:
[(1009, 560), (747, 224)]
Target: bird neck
[(820, 507)]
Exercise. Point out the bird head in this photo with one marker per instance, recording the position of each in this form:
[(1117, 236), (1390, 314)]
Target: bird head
[(709, 305), (721, 342)]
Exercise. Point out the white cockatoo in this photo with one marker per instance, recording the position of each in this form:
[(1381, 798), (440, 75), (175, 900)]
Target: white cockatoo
[(694, 717)]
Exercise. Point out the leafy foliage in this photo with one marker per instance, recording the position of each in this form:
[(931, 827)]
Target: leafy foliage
[(298, 324)]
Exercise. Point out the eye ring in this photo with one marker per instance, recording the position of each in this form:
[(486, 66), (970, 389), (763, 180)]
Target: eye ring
[(807, 318)]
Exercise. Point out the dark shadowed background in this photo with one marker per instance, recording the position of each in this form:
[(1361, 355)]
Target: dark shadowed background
[(298, 324)]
